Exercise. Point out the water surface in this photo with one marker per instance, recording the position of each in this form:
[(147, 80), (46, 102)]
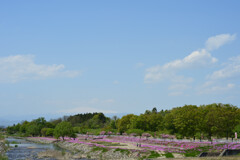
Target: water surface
[(22, 149)]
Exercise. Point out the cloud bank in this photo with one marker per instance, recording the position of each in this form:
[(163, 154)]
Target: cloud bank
[(219, 40), (196, 59), (22, 67), (231, 69)]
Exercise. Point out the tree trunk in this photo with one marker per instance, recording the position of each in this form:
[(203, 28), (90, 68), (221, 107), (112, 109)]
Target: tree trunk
[(209, 136), (227, 135)]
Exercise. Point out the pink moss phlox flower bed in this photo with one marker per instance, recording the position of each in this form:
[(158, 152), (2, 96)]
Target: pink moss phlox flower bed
[(173, 146)]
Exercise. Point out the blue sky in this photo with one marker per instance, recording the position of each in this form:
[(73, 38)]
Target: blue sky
[(68, 57)]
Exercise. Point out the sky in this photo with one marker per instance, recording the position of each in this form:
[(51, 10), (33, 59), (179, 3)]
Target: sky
[(64, 57)]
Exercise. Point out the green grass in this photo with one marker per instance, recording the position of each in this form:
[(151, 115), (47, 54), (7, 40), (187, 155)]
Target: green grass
[(109, 144), (102, 149), (192, 154), (14, 142), (88, 156), (123, 151), (1, 137), (3, 157), (154, 154), (63, 153), (168, 155), (195, 152)]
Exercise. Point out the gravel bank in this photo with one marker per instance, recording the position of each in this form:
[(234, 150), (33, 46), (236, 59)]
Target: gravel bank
[(86, 151)]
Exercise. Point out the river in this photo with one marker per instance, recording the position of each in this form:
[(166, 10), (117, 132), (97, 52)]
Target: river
[(22, 149)]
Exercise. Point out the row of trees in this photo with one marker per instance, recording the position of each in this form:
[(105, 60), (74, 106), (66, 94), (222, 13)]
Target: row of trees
[(219, 120), (40, 127), (60, 127)]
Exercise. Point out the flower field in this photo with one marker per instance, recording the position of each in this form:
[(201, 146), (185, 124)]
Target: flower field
[(145, 145)]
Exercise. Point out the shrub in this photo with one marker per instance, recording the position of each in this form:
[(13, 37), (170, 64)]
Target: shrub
[(50, 132), (123, 151), (154, 154), (102, 149), (169, 155)]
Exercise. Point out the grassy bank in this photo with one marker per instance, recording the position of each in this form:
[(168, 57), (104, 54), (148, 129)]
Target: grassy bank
[(3, 147)]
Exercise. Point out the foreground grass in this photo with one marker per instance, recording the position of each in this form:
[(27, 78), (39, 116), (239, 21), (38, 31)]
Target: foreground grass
[(109, 143), (123, 151), (102, 149), (154, 154)]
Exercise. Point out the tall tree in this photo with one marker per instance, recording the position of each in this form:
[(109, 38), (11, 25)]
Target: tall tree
[(63, 129)]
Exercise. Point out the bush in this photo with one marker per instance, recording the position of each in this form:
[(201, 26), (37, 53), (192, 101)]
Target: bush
[(50, 132), (154, 154), (123, 151), (47, 132), (3, 157), (93, 131), (102, 149), (169, 155), (138, 132), (44, 131)]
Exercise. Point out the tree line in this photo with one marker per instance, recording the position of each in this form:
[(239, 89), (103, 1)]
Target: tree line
[(189, 121)]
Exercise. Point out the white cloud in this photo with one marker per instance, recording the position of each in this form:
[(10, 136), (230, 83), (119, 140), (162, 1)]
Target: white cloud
[(211, 87), (232, 69), (84, 110), (196, 59), (219, 81), (22, 67), (219, 40)]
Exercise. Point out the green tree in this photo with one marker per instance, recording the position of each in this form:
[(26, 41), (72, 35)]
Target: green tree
[(186, 120), (228, 118), (63, 129), (33, 129), (154, 110), (168, 122), (44, 131), (49, 132), (211, 115), (138, 132), (23, 128), (125, 123)]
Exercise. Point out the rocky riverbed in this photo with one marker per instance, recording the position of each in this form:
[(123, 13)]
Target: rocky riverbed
[(24, 149), (79, 151)]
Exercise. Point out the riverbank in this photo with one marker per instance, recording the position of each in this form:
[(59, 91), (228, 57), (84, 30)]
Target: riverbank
[(104, 149), (82, 151), (2, 147), (109, 148)]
